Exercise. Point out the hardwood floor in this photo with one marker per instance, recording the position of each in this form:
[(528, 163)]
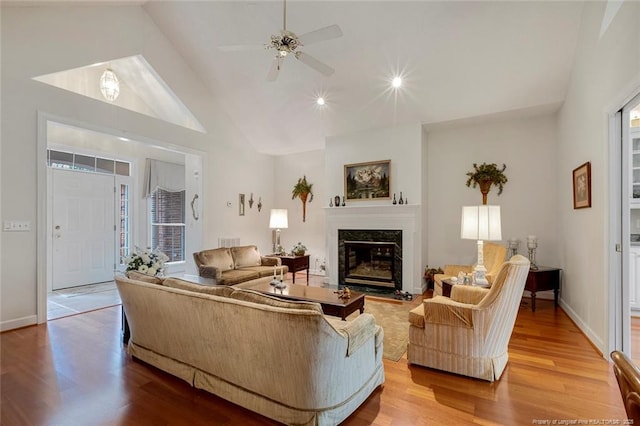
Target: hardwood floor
[(75, 371)]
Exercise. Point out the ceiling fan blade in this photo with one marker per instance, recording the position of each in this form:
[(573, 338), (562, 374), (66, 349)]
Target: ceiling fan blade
[(274, 70), (240, 47), (322, 34), (321, 67)]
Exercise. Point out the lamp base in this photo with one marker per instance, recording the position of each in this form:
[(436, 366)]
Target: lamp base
[(480, 276)]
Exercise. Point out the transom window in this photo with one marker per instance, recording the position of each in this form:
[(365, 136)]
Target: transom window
[(87, 163)]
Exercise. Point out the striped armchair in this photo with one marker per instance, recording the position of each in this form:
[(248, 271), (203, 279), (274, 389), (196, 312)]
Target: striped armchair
[(469, 333)]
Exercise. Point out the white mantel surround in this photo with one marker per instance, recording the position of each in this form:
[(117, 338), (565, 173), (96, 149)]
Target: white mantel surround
[(399, 217)]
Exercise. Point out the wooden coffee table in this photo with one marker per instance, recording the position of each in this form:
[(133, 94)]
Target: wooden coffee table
[(326, 297)]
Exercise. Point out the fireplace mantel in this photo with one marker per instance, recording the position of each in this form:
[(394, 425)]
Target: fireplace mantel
[(406, 217)]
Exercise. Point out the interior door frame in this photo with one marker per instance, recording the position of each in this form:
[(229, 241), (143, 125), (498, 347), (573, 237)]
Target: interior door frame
[(196, 158), (619, 304)]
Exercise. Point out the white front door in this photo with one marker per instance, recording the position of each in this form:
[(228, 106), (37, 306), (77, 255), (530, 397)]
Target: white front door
[(83, 228)]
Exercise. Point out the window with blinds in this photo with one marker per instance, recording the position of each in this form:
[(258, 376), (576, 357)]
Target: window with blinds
[(168, 223)]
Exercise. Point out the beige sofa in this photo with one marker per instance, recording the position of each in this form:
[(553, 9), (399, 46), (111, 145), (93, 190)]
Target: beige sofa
[(234, 265), (284, 360)]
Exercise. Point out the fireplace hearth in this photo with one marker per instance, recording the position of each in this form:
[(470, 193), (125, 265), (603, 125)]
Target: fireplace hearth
[(370, 258)]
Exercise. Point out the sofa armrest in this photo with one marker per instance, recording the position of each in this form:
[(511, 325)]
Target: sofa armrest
[(270, 261), (357, 332), (444, 311), (209, 272), (468, 294)]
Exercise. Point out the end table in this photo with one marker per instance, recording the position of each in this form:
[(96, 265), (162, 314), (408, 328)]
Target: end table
[(541, 279), (295, 264)]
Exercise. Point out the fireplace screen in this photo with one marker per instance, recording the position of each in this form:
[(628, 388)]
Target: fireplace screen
[(369, 263)]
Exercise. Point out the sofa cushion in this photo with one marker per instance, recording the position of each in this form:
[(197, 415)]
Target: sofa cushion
[(236, 276), (267, 271), (139, 276), (222, 291), (220, 258), (244, 256), (263, 299)]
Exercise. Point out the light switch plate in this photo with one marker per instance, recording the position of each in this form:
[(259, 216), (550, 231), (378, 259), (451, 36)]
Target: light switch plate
[(16, 225)]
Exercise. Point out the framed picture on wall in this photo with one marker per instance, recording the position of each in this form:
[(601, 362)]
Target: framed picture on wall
[(582, 186), (365, 181)]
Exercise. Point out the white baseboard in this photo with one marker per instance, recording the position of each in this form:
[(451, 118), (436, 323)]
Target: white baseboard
[(19, 322), (584, 328), (317, 272)]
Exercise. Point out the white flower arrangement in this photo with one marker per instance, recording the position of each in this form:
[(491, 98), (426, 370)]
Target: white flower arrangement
[(299, 249), (146, 261)]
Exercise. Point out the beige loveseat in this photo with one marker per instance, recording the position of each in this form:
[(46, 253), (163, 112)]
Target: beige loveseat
[(284, 360), (234, 265)]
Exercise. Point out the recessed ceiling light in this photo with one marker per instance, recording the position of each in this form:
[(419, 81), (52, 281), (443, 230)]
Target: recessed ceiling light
[(396, 82), (320, 101)]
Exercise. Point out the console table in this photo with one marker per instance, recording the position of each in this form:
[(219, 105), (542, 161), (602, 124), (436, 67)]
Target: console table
[(541, 279), (295, 264)]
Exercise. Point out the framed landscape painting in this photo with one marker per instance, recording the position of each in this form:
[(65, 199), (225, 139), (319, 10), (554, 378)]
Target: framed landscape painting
[(365, 181), (582, 186)]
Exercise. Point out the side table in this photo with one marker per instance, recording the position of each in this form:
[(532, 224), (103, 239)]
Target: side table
[(295, 264), (448, 284), (541, 279)]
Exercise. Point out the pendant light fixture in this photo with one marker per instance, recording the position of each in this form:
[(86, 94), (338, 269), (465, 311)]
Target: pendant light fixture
[(109, 85)]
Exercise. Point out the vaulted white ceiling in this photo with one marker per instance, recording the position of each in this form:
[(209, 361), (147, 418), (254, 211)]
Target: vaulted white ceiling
[(457, 60)]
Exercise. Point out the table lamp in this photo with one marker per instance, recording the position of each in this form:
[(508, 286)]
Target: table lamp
[(480, 223), (277, 221)]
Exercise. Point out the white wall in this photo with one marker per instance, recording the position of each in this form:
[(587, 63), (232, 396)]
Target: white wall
[(41, 40), (289, 169), (401, 144), (527, 146), (606, 69)]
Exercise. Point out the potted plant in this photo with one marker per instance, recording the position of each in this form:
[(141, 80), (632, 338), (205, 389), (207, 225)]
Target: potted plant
[(303, 190), (485, 176), (299, 249)]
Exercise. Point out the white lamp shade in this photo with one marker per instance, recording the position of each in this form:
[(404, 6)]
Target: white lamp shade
[(481, 223), (278, 219)]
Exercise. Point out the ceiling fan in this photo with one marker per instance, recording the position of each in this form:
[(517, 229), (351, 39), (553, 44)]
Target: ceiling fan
[(287, 43)]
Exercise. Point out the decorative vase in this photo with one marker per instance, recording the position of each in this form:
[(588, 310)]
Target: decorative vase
[(336, 200), (485, 186), (394, 199), (401, 200), (330, 202), (343, 204)]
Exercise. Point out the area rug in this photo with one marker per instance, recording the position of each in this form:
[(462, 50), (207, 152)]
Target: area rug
[(393, 317)]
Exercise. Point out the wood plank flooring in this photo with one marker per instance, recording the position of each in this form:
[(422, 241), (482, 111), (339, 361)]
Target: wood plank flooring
[(75, 371)]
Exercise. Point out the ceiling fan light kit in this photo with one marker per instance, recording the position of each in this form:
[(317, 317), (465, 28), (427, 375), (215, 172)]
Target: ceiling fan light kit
[(287, 42)]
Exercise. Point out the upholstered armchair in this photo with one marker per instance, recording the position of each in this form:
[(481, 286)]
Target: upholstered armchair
[(494, 255), (628, 377), (469, 333)]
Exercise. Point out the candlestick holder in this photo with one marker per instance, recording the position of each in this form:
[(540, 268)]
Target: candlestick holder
[(532, 244), (513, 247)]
